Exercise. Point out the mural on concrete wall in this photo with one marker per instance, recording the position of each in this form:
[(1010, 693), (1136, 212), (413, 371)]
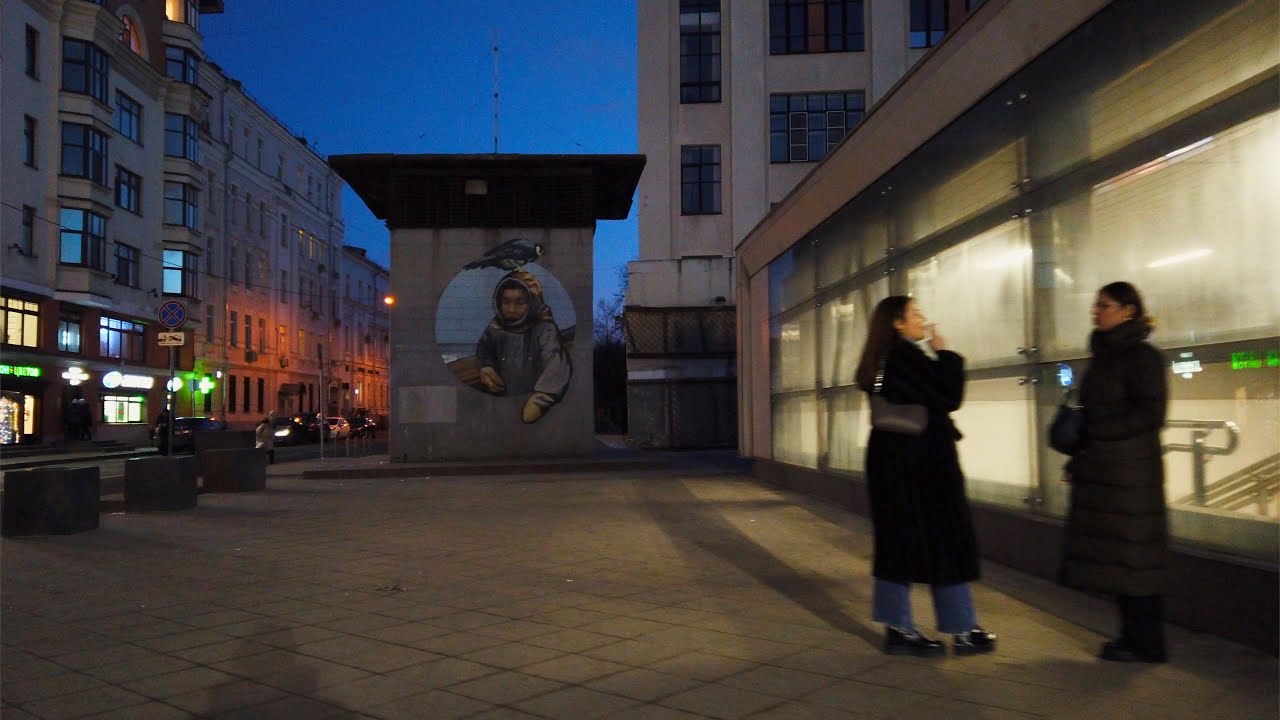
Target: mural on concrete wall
[(505, 326)]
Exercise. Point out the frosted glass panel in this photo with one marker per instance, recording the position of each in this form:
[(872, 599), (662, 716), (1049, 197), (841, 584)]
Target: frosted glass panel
[(852, 240), (791, 277), (795, 430), (848, 426), (976, 293), (995, 452), (979, 184), (792, 340), (1188, 230), (844, 330)]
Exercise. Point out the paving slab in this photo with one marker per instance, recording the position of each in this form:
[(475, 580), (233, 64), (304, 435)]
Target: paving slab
[(680, 592)]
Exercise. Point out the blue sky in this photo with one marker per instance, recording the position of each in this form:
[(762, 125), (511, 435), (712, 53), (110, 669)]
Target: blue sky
[(416, 76)]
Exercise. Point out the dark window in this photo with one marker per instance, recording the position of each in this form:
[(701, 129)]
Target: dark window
[(845, 31), (69, 330), (121, 339), (33, 52), (234, 319), (262, 393), (804, 128), (28, 240), (245, 384), (700, 179), (181, 205), (28, 141), (181, 137), (126, 265), (180, 272), (928, 22), (128, 190), (128, 116), (83, 238), (699, 51), (814, 26), (231, 393), (84, 68), (19, 322), (181, 64), (84, 152), (248, 332)]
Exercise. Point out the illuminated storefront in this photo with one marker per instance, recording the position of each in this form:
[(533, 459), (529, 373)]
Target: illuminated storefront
[(1106, 156), (20, 389)]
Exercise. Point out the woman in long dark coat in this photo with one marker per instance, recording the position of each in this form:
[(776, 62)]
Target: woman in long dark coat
[(1117, 537), (923, 528)]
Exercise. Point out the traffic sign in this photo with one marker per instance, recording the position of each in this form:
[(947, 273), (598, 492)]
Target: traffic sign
[(170, 339), (172, 314)]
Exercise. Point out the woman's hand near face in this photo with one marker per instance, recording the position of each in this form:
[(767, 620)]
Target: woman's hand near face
[(936, 341)]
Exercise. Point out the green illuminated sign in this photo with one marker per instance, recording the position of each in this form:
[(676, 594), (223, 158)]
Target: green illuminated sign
[(206, 385), (20, 370), (1251, 359)]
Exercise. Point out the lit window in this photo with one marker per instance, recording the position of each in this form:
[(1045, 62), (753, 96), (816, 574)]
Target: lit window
[(123, 408), (19, 322), (180, 272), (130, 36)]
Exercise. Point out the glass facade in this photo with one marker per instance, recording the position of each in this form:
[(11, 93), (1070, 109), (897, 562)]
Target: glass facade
[(1107, 158)]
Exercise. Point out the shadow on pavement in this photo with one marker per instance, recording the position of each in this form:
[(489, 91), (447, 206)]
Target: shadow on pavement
[(691, 522)]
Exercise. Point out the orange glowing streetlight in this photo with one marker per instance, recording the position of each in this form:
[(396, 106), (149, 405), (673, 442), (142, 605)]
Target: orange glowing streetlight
[(388, 299)]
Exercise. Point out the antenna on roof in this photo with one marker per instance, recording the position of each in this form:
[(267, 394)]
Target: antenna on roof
[(495, 91)]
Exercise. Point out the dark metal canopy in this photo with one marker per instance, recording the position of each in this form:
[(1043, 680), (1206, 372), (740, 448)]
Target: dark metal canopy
[(487, 190)]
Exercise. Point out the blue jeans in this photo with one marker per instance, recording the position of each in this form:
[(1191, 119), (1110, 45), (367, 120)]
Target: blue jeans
[(953, 605)]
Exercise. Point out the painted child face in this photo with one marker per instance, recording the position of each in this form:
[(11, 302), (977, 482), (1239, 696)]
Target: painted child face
[(513, 304)]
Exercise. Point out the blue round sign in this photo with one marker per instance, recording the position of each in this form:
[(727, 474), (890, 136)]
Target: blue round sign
[(172, 314)]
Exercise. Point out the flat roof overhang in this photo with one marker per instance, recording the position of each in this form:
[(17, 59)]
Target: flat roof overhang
[(492, 190)]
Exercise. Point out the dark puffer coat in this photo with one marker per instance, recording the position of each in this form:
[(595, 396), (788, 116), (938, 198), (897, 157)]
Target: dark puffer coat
[(923, 527), (1117, 537)]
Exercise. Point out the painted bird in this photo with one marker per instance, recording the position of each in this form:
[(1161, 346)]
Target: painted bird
[(510, 255)]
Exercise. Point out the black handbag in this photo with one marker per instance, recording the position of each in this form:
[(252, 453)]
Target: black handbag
[(902, 418), (1066, 432)]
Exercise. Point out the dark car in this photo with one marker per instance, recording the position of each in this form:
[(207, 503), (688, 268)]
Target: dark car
[(363, 426), (288, 431), (311, 424), (185, 428)]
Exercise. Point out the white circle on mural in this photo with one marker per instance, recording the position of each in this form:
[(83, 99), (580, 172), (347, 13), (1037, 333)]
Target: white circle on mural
[(508, 333)]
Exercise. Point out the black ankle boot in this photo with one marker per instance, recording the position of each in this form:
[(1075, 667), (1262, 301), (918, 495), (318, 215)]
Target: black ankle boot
[(910, 642), (973, 642), (1123, 650)]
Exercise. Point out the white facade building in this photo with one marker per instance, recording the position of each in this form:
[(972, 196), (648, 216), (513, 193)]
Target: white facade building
[(133, 172), (737, 102)]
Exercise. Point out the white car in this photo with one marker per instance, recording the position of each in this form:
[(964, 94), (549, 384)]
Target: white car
[(339, 428)]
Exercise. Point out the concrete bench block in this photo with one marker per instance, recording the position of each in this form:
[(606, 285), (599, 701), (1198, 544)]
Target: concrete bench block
[(50, 501), (234, 469), (160, 483)]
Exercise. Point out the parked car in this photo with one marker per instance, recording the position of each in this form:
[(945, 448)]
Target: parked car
[(363, 426), (288, 431), (339, 428), (185, 428), (311, 425)]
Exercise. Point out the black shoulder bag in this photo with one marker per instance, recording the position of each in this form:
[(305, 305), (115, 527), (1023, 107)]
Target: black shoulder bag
[(902, 418), (1066, 432)]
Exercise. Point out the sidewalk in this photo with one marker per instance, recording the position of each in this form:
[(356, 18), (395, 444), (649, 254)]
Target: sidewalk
[(680, 593)]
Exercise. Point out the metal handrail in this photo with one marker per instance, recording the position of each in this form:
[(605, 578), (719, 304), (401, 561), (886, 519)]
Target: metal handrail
[(1200, 450)]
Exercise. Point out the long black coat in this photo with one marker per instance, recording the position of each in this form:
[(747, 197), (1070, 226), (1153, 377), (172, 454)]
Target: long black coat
[(923, 527), (1117, 537)]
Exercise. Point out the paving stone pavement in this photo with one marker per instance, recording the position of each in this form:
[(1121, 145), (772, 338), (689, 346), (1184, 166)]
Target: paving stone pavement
[(662, 595)]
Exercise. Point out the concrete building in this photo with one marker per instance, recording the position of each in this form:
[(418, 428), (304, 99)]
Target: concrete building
[(134, 171), (738, 101), (1040, 152)]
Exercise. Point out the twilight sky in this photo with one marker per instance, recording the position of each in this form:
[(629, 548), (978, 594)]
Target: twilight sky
[(416, 76)]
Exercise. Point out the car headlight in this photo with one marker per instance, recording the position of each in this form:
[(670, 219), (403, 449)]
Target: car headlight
[(282, 432)]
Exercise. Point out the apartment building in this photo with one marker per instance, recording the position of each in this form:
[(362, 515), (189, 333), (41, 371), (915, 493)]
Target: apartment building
[(738, 101), (134, 172)]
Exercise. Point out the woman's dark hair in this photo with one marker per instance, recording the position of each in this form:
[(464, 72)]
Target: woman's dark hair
[(881, 334), (1126, 294)]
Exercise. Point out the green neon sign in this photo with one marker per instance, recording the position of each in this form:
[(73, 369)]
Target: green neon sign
[(20, 370), (1252, 359), (206, 385)]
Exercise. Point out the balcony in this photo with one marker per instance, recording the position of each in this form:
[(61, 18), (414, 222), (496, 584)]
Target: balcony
[(86, 285)]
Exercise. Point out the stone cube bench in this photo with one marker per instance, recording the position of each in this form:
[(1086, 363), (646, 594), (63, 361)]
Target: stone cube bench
[(50, 501), (160, 483), (233, 469)]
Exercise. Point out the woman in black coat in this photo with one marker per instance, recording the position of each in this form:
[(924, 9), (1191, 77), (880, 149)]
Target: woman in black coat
[(1117, 537), (923, 529)]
